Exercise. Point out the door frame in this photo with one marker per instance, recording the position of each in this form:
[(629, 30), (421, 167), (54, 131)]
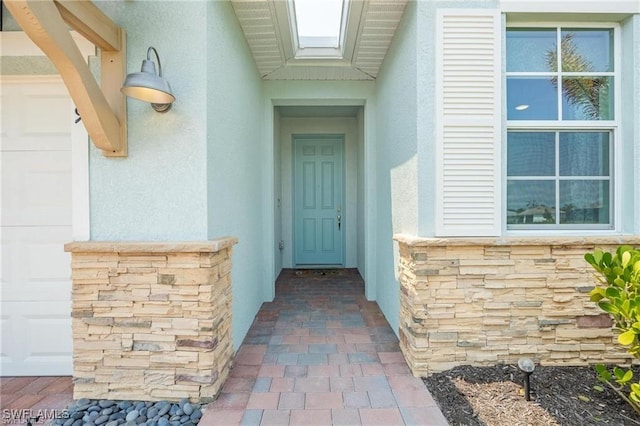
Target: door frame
[(319, 94), (298, 136)]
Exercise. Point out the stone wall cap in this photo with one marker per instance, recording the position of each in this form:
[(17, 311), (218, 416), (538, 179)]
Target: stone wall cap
[(569, 240), (210, 246)]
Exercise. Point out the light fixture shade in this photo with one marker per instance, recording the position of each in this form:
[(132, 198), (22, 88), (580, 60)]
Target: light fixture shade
[(149, 86)]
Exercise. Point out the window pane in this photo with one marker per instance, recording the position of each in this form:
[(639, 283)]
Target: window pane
[(587, 50), (584, 202), (531, 154), (584, 154), (587, 98), (531, 50), (318, 22), (532, 98), (531, 202)]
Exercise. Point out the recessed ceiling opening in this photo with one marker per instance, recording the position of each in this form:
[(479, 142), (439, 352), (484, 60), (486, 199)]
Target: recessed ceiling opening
[(319, 23)]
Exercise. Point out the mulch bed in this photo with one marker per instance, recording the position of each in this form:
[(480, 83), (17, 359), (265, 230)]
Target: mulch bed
[(559, 396)]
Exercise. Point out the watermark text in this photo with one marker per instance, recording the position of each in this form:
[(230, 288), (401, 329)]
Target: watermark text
[(30, 416)]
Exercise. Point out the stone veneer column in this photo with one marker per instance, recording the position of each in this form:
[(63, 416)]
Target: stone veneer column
[(151, 320), (483, 301)]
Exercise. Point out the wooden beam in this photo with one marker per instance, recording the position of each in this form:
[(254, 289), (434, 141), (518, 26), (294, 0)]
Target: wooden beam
[(112, 71), (43, 23), (92, 23)]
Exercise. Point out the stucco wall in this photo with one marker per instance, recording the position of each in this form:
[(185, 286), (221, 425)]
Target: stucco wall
[(362, 259), (277, 206), (195, 172), (396, 166), (159, 191), (630, 182), (235, 158)]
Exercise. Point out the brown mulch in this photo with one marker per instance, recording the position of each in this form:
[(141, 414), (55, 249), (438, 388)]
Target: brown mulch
[(494, 396)]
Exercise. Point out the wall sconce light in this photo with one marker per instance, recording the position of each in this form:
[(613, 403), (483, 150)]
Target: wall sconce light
[(149, 86)]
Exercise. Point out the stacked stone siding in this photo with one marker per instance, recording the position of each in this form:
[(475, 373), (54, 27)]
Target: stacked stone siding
[(151, 321), (486, 301)]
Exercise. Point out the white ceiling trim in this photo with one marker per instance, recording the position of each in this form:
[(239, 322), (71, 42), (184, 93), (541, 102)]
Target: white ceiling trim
[(269, 28)]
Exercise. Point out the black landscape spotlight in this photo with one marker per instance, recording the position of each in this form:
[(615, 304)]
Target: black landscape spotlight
[(526, 366)]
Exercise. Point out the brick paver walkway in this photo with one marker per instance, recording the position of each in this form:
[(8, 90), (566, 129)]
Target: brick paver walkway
[(321, 354)]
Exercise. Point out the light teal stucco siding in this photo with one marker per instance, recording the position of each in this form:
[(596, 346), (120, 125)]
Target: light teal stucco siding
[(396, 167), (630, 119), (236, 159), (636, 120), (158, 193), (195, 172)]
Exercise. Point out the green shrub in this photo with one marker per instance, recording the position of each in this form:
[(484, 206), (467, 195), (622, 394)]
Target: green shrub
[(618, 294)]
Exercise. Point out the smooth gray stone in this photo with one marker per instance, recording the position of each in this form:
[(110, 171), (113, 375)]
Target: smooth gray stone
[(105, 403), (196, 415), (132, 415), (120, 415), (187, 408), (101, 419), (164, 410)]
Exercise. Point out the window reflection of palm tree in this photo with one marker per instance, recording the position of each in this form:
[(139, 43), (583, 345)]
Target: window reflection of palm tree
[(585, 93)]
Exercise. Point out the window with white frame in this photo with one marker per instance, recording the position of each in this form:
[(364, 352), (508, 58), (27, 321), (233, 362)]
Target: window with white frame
[(561, 127)]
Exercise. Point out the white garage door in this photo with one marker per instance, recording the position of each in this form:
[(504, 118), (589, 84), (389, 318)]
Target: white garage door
[(37, 119)]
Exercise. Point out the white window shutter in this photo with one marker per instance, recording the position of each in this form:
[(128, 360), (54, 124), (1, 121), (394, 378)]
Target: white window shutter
[(468, 122)]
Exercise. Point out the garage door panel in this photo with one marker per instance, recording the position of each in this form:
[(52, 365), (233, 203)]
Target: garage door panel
[(27, 343), (46, 114), (36, 188), (35, 116), (38, 267), (36, 210)]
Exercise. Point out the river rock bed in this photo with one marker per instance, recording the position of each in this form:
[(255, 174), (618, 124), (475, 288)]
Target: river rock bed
[(93, 412)]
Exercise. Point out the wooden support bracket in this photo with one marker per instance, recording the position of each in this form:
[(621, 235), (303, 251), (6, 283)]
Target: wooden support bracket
[(103, 109)]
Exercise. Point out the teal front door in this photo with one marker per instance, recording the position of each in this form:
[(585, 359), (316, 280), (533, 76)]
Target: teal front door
[(318, 214)]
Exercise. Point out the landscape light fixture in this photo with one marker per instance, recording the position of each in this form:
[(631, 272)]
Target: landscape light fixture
[(149, 86), (526, 366)]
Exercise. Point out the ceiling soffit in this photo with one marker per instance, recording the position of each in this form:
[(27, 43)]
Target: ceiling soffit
[(368, 32)]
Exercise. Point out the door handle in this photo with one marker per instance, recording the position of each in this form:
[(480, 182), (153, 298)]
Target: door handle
[(339, 221)]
